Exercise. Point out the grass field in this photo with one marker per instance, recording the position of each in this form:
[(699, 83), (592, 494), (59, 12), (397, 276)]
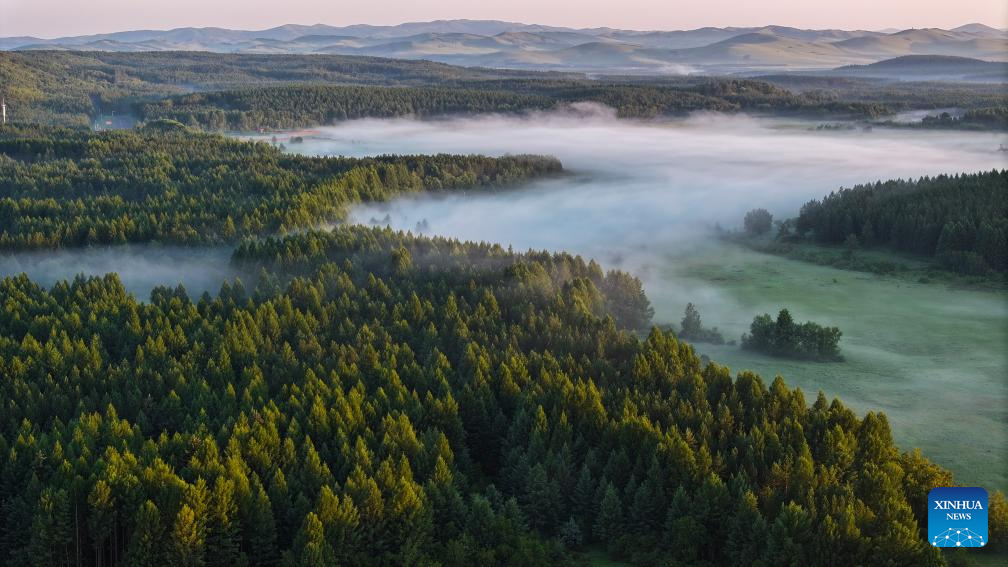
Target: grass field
[(932, 357)]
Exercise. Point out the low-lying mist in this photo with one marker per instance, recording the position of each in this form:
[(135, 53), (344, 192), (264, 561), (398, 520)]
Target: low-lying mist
[(644, 196), (638, 191), (644, 185), (141, 268)]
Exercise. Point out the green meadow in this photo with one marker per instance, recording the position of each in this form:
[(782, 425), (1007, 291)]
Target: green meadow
[(928, 355)]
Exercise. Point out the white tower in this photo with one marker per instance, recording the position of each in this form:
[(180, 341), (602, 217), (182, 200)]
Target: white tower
[(3, 105)]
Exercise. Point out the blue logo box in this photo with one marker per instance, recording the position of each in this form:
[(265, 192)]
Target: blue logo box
[(957, 517)]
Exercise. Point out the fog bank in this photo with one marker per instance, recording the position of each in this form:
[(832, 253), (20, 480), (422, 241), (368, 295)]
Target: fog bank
[(637, 187), (140, 267)]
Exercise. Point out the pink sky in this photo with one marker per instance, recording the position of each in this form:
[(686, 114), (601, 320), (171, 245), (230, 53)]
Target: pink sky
[(50, 18)]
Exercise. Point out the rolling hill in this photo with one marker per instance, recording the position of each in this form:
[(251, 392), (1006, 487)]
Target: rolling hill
[(931, 68), (501, 44), (929, 42)]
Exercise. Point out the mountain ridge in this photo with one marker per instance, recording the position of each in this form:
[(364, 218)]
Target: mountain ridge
[(502, 44)]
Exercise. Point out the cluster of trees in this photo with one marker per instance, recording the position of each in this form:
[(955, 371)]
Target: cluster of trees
[(992, 118), (896, 95), (395, 399), (786, 338), (960, 220), (63, 187), (691, 328)]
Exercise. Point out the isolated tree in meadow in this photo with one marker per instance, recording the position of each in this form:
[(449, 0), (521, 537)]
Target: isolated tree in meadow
[(758, 221), (691, 324)]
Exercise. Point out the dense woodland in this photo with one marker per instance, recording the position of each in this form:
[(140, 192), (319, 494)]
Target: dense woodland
[(974, 119), (309, 105), (387, 399), (300, 106), (62, 187), (70, 88), (959, 220), (244, 91), (985, 104), (379, 398), (269, 91)]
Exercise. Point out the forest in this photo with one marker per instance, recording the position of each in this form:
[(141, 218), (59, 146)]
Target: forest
[(977, 119), (70, 88), (164, 183), (961, 221), (299, 106), (363, 396), (218, 91), (381, 398), (899, 94), (290, 107)]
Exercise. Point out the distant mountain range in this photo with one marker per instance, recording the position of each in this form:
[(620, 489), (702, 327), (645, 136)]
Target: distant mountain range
[(521, 46), (930, 67)]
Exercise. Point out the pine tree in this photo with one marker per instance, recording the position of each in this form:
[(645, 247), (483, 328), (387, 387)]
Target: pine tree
[(260, 531), (101, 518), (51, 535), (223, 529), (311, 546), (609, 523), (690, 325), (787, 537), (147, 545), (188, 545), (583, 502), (747, 531), (570, 534)]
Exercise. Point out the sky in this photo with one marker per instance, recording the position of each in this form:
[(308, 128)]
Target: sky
[(53, 18)]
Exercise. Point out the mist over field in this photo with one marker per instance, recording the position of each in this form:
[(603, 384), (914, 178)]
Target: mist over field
[(639, 186), (644, 197)]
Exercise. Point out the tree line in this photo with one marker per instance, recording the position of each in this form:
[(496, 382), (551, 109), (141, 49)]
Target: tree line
[(245, 91), (294, 106), (65, 187), (995, 118), (380, 398), (288, 107), (71, 88), (959, 220)]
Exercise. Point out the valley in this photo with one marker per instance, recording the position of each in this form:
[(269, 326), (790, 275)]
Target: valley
[(641, 284)]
